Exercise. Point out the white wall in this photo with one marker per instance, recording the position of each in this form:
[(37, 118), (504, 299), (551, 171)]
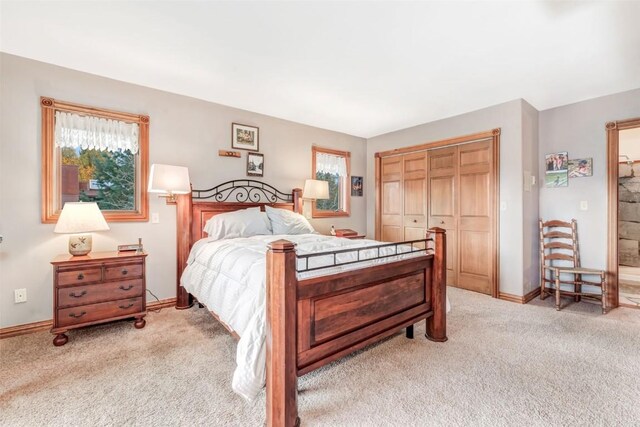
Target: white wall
[(507, 116), (183, 131), (580, 129), (531, 195)]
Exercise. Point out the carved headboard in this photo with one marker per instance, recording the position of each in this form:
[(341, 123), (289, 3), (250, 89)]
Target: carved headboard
[(193, 211)]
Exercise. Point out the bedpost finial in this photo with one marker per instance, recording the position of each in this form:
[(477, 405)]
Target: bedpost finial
[(282, 246)]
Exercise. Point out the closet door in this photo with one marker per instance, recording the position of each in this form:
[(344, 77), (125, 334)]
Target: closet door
[(475, 207), (391, 225), (415, 196), (442, 173)]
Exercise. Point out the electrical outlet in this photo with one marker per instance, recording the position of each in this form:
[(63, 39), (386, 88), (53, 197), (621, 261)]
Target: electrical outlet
[(20, 295), (503, 206), (155, 218)]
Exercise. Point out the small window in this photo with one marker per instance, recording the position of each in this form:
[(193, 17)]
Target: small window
[(94, 155), (334, 167)]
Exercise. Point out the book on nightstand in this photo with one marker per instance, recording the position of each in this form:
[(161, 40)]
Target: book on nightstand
[(345, 232)]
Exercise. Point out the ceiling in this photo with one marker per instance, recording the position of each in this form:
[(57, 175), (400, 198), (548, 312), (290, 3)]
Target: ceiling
[(359, 68)]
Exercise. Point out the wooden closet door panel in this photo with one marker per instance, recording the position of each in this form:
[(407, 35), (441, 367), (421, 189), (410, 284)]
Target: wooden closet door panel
[(476, 198), (415, 196), (391, 226), (442, 171)]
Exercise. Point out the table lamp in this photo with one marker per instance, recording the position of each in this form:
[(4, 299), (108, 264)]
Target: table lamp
[(79, 219), (315, 189), (169, 180)]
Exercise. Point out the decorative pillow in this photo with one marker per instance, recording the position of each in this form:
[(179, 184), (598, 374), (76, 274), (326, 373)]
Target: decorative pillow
[(244, 223), (287, 222)]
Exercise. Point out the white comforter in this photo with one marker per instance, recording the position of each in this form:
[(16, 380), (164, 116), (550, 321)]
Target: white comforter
[(228, 276)]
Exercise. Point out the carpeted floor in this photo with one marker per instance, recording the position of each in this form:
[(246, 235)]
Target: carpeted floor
[(504, 365)]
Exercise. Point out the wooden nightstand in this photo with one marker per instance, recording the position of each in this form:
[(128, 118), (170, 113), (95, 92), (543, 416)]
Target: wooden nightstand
[(358, 236), (97, 288)]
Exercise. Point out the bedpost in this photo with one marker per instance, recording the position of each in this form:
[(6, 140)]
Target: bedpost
[(297, 200), (437, 324), (183, 229), (282, 376)]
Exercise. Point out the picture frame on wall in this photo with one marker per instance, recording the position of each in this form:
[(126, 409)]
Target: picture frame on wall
[(255, 164), (356, 186), (244, 137), (579, 168), (556, 169)]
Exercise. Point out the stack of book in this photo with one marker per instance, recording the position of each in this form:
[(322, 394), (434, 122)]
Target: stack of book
[(344, 232)]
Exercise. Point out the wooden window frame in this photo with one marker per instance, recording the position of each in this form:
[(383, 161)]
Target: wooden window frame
[(317, 213), (51, 174)]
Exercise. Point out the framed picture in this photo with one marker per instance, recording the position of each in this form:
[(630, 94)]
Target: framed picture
[(556, 162), (579, 168), (244, 137), (255, 164), (356, 186), (556, 169)]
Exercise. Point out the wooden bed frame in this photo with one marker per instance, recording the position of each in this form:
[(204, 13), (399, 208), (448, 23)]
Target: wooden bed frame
[(312, 322)]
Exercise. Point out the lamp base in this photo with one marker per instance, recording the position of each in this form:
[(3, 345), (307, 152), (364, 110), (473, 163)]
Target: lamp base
[(79, 244)]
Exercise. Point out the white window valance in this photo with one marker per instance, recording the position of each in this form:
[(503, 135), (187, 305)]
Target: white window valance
[(95, 133), (330, 163)]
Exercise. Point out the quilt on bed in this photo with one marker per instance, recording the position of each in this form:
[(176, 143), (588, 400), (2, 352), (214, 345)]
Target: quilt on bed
[(229, 276)]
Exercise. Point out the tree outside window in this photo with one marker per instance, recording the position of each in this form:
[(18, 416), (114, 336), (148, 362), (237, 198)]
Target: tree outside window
[(332, 166)]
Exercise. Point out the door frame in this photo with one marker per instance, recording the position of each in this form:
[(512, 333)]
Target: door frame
[(494, 135), (613, 138)]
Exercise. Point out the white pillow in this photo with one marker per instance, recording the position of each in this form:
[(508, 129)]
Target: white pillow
[(287, 222), (243, 223)]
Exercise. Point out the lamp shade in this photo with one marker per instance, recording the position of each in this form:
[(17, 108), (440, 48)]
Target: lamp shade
[(80, 217), (169, 179), (315, 189)]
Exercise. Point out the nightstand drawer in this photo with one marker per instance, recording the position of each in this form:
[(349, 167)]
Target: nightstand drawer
[(75, 277), (89, 294), (123, 271), (95, 312)]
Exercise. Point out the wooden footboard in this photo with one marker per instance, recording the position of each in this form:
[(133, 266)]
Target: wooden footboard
[(315, 321)]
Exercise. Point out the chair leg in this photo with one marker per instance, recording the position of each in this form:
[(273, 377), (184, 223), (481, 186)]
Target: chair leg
[(543, 282), (605, 291), (558, 292)]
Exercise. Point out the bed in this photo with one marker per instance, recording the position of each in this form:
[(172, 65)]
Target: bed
[(299, 302)]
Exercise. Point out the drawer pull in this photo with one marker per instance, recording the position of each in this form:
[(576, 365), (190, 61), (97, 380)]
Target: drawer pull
[(80, 295), (124, 271), (415, 220), (77, 316), (124, 307), (441, 222), (80, 276), (128, 288)]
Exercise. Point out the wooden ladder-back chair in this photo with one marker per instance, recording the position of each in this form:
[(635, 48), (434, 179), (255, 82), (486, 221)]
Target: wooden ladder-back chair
[(560, 258)]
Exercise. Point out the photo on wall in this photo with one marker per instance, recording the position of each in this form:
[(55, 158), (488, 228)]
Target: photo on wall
[(556, 169), (356, 186), (244, 137), (255, 164), (579, 168)]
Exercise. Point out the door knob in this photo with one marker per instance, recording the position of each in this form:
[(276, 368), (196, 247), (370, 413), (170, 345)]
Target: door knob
[(441, 222), (415, 220)]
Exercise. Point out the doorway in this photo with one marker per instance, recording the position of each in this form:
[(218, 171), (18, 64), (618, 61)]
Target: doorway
[(451, 184), (623, 140)]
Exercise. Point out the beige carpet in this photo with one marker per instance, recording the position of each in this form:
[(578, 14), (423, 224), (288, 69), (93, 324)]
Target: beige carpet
[(504, 364)]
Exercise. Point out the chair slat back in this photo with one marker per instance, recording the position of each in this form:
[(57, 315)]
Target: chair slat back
[(558, 243)]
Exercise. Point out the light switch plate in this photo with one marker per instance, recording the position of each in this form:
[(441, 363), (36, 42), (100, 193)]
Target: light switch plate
[(155, 218), (584, 206)]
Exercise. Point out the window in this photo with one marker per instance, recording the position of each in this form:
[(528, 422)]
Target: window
[(94, 155), (333, 166)]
